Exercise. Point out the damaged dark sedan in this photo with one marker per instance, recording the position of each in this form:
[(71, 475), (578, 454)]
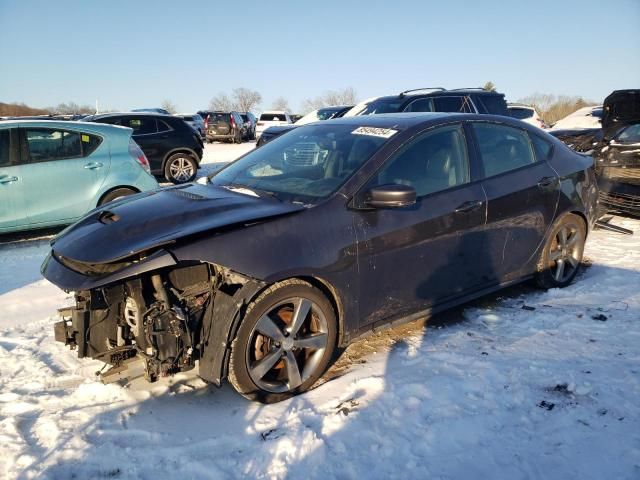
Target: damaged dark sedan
[(329, 232)]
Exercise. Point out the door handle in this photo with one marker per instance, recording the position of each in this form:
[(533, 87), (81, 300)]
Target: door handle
[(468, 206), (546, 182), (93, 165), (6, 179)]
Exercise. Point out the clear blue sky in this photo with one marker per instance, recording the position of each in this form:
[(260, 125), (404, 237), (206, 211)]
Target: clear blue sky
[(132, 54)]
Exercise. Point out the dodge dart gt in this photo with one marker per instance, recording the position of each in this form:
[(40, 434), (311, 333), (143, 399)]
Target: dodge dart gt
[(325, 234)]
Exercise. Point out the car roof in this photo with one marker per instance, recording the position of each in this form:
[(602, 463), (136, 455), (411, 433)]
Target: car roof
[(407, 120), (520, 105), (66, 125), (131, 114)]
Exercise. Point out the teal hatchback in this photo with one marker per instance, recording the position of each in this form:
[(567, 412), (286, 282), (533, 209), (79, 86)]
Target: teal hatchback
[(53, 172)]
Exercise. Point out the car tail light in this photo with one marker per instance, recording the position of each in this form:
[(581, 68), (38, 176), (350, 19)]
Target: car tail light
[(206, 122), (136, 152), (260, 123), (233, 122)]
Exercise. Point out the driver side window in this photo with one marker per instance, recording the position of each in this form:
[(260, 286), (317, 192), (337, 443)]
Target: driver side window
[(437, 160)]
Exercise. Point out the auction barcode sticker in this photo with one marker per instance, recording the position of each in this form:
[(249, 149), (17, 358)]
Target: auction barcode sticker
[(375, 132)]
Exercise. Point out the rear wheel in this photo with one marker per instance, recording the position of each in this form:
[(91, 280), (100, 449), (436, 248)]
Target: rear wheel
[(284, 343), (180, 168), (562, 254), (115, 195)]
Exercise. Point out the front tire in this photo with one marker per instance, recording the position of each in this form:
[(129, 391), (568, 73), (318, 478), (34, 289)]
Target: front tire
[(180, 168), (560, 259), (284, 343)]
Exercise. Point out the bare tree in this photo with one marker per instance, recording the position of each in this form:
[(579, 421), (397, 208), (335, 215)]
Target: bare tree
[(489, 86), (552, 108), (169, 106), (221, 102), (346, 96), (20, 110), (280, 103), (245, 99), (71, 108)]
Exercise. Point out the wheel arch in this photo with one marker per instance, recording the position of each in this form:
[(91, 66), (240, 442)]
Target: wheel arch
[(334, 298), (216, 367), (107, 192), (582, 215), (186, 150)]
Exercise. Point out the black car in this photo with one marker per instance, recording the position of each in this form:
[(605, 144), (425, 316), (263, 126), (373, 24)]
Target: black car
[(331, 232), (437, 99), (326, 113), (618, 153), (250, 121), (224, 126), (615, 148), (174, 149)]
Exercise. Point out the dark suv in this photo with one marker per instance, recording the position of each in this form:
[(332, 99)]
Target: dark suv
[(224, 126), (173, 148), (465, 100), (250, 121)]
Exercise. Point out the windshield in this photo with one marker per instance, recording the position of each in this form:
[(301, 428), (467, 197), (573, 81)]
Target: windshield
[(305, 165), (381, 106)]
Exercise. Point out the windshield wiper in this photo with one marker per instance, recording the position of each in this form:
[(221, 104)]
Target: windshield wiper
[(247, 190)]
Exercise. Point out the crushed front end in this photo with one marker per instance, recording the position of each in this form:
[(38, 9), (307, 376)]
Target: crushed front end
[(149, 325), (156, 323), (618, 173)]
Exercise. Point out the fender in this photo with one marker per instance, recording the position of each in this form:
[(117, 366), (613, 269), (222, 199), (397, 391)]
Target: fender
[(220, 324)]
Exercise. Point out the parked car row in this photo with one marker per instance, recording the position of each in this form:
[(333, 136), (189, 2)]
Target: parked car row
[(429, 99), (173, 148), (326, 113), (228, 126)]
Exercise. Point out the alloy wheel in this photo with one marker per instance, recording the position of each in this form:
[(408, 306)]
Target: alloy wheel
[(181, 169), (287, 344), (565, 252)]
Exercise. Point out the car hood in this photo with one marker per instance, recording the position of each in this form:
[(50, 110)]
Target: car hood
[(161, 217), (280, 128)]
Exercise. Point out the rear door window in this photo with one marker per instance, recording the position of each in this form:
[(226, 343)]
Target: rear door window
[(46, 144), (453, 104), (163, 127), (542, 147), (502, 148), (141, 125)]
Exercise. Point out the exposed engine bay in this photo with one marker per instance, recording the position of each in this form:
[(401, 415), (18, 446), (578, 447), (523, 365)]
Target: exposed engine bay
[(149, 326)]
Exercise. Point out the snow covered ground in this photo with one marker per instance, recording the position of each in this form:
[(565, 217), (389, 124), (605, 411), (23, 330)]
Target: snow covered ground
[(216, 155), (521, 385)]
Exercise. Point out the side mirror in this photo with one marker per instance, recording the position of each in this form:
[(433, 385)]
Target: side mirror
[(390, 196)]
